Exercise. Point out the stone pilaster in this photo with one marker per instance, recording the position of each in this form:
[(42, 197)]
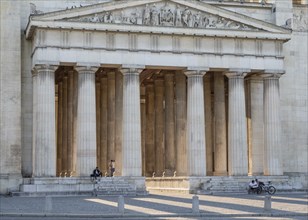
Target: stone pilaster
[(44, 164), (181, 114), (237, 127), (131, 147), (220, 146), (170, 156), (195, 124), (272, 139), (86, 121)]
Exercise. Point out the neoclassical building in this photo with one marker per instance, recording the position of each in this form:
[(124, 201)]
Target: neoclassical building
[(173, 90)]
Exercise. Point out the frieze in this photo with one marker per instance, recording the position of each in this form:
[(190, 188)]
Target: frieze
[(165, 14)]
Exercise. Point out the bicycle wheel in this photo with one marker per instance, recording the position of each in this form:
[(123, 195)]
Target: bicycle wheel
[(271, 190)]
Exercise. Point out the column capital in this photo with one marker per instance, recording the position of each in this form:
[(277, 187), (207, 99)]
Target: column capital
[(131, 71), (272, 74), (190, 73), (240, 73), (43, 67), (86, 69)]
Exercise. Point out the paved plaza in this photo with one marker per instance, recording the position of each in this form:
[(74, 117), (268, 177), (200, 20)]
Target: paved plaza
[(156, 206)]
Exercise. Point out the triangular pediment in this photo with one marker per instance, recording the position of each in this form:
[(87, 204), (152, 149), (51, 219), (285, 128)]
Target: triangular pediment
[(161, 13)]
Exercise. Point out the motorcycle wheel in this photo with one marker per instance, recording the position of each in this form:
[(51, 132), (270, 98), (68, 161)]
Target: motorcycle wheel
[(271, 190)]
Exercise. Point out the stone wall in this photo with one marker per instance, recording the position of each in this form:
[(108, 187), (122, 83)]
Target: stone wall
[(294, 99), (10, 83)]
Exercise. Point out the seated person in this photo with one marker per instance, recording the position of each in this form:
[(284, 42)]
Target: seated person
[(253, 185), (259, 182), (96, 173)]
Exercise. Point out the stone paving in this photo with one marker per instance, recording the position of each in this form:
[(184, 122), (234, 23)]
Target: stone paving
[(159, 206)]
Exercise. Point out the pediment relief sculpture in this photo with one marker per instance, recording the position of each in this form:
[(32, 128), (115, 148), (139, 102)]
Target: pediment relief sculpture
[(163, 14)]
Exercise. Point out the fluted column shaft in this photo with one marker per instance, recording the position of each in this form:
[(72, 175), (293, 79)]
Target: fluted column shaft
[(70, 128), (59, 129), (208, 123), (86, 121), (195, 124), (181, 114), (170, 156), (103, 124), (220, 147), (64, 126), (255, 125), (111, 116), (237, 128), (150, 130), (131, 147), (118, 121), (159, 126), (272, 139), (44, 164)]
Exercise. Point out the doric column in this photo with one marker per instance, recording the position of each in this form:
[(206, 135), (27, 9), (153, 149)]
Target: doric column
[(59, 129), (131, 147), (272, 141), (181, 114), (143, 126), (150, 129), (220, 146), (64, 125), (208, 123), (111, 115), (255, 123), (86, 121), (98, 119), (118, 121), (159, 126), (170, 156), (103, 124), (70, 113), (44, 164), (237, 127), (195, 124)]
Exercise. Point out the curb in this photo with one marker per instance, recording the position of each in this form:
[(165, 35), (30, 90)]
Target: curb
[(115, 215)]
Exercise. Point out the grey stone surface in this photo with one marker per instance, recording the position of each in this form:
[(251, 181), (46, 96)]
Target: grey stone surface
[(284, 206)]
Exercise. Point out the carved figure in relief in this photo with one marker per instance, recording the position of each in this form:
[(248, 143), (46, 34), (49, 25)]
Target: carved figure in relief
[(134, 17), (186, 17), (206, 21), (166, 16), (95, 18), (197, 20), (147, 15), (178, 18), (155, 16), (300, 21)]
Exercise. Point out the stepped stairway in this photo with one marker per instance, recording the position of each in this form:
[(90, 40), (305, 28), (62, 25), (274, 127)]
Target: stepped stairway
[(65, 186), (217, 185)]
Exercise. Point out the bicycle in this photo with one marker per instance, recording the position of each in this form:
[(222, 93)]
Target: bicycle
[(269, 188)]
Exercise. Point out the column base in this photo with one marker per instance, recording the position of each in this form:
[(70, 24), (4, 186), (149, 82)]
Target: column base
[(220, 173)]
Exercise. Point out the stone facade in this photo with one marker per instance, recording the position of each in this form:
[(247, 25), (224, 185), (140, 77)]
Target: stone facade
[(86, 82)]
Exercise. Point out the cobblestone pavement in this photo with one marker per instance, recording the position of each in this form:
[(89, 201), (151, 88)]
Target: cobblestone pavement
[(156, 206)]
